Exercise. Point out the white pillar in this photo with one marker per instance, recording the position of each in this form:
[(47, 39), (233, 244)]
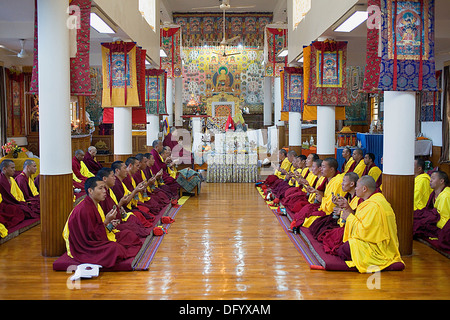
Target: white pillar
[(123, 141), (152, 128), (399, 133), (54, 88), (278, 102), (169, 101), (267, 101), (326, 130), (295, 129), (178, 102)]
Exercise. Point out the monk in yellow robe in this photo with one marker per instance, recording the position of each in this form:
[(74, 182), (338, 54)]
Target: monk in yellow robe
[(347, 155), (280, 172), (370, 234), (79, 168), (358, 165), (422, 189), (371, 169), (309, 213), (432, 221)]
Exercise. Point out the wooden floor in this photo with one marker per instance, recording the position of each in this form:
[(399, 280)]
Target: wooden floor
[(224, 244)]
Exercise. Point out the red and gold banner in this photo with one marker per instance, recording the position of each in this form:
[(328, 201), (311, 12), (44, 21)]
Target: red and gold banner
[(171, 44)]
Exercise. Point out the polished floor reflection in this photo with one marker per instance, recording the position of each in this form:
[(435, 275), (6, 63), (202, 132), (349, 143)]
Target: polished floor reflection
[(224, 244)]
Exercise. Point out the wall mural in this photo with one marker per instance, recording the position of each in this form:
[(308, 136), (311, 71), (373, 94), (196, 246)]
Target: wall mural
[(240, 74)]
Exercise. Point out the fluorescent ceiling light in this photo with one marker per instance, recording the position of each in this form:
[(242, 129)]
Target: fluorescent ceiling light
[(162, 53), (283, 53), (98, 24), (353, 21)]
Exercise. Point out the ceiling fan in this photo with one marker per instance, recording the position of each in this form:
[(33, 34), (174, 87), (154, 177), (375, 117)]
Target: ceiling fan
[(20, 54), (225, 5)]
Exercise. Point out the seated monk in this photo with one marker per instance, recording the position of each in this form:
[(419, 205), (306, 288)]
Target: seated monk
[(152, 181), (167, 157), (288, 180), (79, 168), (432, 221), (26, 183), (91, 235), (152, 203), (11, 213), (422, 189), (358, 165), (158, 152), (128, 221), (348, 160), (370, 233), (309, 213), (280, 172), (89, 160), (11, 192), (295, 201), (371, 169), (329, 229), (159, 184), (120, 190)]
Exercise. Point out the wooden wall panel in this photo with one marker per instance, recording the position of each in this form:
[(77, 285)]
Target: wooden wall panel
[(56, 195), (399, 191)]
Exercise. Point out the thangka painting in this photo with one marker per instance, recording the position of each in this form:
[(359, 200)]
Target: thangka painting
[(292, 89), (431, 102), (15, 103), (171, 44), (327, 74), (407, 39), (372, 69), (356, 113), (155, 91), (276, 40), (120, 75), (208, 73), (200, 29), (80, 82)]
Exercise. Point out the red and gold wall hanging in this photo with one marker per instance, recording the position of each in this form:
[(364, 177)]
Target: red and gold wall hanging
[(155, 91), (120, 75), (407, 43), (80, 81), (276, 40), (171, 44)]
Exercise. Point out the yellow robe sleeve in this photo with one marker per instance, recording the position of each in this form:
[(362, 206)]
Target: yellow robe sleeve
[(442, 205), (34, 190), (348, 164), (15, 190), (85, 171), (75, 178), (286, 165), (375, 173), (3, 230), (360, 168), (422, 191), (372, 235)]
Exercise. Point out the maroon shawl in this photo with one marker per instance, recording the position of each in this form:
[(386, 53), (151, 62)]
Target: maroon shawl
[(91, 164), (89, 242), (8, 198)]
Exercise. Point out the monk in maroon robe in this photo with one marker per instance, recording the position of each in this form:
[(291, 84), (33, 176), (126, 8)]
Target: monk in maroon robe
[(24, 181), (143, 174), (159, 164), (152, 203), (86, 234), (132, 222), (90, 162), (7, 168)]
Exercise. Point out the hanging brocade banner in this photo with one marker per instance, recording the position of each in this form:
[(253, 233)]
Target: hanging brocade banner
[(327, 75), (171, 44), (372, 69), (120, 87), (310, 112), (407, 43), (80, 80), (276, 40), (292, 89), (155, 91), (140, 74), (431, 102)]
